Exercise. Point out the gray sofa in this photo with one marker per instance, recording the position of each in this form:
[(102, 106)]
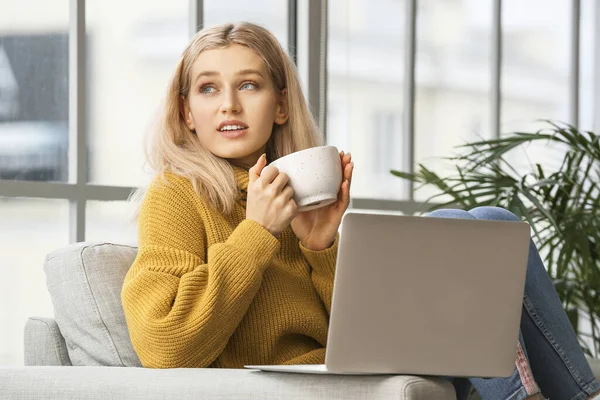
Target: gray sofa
[(84, 352)]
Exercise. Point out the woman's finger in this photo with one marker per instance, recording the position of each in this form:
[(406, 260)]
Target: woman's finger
[(345, 198), (268, 174), (287, 192), (347, 158), (340, 193), (348, 170), (280, 181), (256, 170)]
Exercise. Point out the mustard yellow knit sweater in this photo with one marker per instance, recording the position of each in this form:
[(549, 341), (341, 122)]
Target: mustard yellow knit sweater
[(208, 290)]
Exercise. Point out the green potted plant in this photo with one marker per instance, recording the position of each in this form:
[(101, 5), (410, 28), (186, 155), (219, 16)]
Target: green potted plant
[(561, 204)]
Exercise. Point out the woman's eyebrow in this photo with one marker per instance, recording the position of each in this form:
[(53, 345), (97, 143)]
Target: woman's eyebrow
[(250, 71), (247, 71), (205, 73)]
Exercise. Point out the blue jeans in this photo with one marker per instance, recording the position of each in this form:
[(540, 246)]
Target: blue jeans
[(547, 340)]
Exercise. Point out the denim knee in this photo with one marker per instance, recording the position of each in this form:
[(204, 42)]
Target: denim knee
[(493, 213)]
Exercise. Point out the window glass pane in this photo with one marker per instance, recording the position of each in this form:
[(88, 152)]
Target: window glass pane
[(535, 72), (272, 14), (587, 84), (133, 48), (589, 111), (30, 229), (452, 98), (365, 64), (110, 221), (34, 90)]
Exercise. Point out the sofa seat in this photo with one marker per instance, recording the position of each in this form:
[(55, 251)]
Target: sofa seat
[(112, 383)]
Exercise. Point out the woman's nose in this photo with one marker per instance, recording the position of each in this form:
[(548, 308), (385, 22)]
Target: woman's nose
[(231, 102)]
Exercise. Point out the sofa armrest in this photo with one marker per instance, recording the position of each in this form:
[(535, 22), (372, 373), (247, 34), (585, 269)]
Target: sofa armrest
[(106, 383), (44, 344)]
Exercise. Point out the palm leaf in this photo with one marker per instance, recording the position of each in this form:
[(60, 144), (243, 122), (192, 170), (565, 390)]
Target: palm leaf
[(561, 205)]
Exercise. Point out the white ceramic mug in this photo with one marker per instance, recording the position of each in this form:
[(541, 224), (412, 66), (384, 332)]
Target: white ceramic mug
[(315, 175)]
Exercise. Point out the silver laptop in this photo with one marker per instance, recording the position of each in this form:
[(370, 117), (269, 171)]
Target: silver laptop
[(424, 296)]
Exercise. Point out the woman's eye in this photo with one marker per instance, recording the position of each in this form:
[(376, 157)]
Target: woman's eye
[(248, 86), (207, 89)]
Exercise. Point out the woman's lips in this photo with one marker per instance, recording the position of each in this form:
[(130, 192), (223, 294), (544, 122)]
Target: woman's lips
[(234, 134)]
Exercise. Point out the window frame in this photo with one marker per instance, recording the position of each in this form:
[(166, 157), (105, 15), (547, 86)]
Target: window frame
[(78, 191)]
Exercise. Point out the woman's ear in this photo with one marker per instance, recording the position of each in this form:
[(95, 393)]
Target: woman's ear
[(184, 109), (282, 111)]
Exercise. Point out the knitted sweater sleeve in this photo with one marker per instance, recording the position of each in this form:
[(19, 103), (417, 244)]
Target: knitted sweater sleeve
[(182, 302), (323, 264)]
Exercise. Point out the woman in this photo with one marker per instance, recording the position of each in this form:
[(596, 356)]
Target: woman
[(228, 273)]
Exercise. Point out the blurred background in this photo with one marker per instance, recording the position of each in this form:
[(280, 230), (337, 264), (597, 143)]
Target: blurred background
[(354, 72)]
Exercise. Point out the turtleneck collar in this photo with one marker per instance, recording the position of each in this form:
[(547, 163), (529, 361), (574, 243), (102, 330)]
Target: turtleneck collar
[(242, 179)]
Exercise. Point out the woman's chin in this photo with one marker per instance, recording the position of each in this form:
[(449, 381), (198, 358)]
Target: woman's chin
[(239, 155), (238, 152), (240, 159)]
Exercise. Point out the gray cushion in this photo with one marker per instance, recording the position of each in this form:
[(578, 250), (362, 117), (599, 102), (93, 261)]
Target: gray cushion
[(85, 283), (105, 383), (44, 344)]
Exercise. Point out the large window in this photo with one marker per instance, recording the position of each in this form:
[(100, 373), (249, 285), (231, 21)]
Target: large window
[(366, 46), (452, 72), (535, 72), (34, 56), (588, 86), (34, 98), (535, 62), (395, 82), (452, 78), (132, 48), (272, 14), (30, 229)]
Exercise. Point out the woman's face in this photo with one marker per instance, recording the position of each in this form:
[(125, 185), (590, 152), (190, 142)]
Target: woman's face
[(233, 104)]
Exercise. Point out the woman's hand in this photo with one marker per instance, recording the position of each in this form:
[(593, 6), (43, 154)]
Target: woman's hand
[(270, 199), (317, 228)]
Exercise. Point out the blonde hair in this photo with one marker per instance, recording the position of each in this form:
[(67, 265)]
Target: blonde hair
[(174, 148)]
